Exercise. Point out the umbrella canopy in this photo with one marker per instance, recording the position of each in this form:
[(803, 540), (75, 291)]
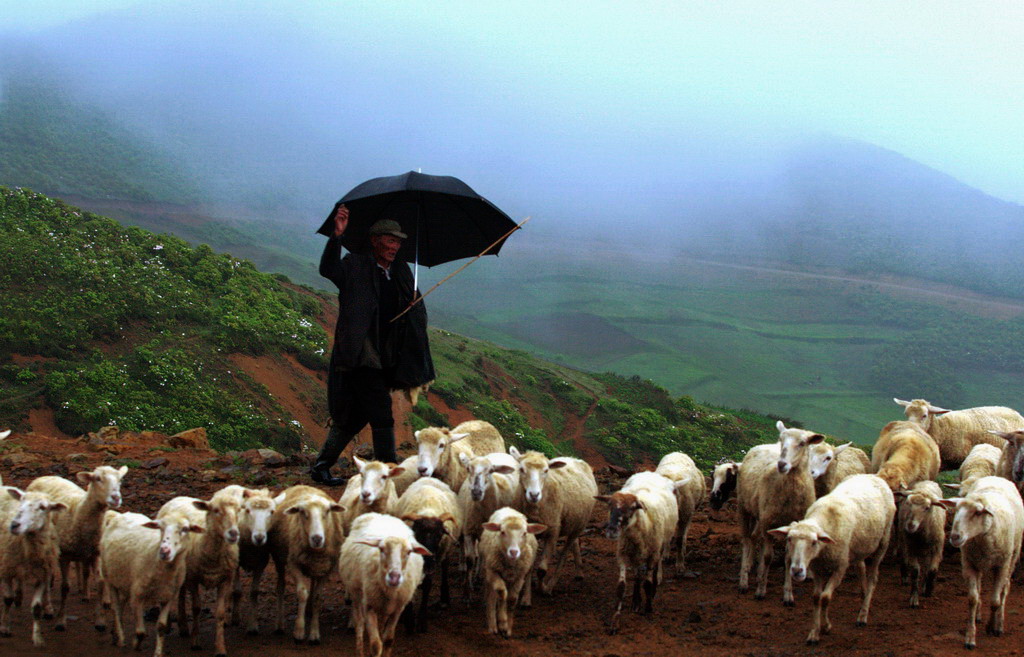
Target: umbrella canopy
[(443, 217)]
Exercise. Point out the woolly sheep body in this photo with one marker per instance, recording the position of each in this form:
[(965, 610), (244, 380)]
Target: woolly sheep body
[(507, 551), (905, 454), (377, 476), (439, 448), (982, 461), (677, 466), (921, 526), (956, 432), (831, 464)]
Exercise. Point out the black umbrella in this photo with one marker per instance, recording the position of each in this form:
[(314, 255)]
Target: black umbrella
[(443, 217)]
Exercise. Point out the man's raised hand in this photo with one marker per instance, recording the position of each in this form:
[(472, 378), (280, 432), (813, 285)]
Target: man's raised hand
[(340, 220)]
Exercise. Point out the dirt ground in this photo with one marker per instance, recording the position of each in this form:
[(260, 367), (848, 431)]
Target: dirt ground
[(705, 615)]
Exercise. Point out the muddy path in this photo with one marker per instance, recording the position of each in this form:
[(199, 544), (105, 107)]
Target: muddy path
[(704, 616)]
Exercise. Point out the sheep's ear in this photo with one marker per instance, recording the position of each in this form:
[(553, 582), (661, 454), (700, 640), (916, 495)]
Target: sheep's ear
[(901, 493), (360, 463), (85, 477), (492, 526), (410, 518), (560, 462), (1005, 435), (734, 468), (416, 434), (779, 532), (815, 439), (841, 448), (122, 471), (455, 437), (682, 482), (293, 510), (196, 529), (464, 459), (639, 505), (247, 493), (4, 434), (502, 469), (952, 486), (937, 410), (335, 508), (279, 499), (152, 524), (825, 538), (422, 551), (374, 543), (15, 493), (395, 471), (950, 503), (515, 453), (780, 426), (202, 505), (901, 402), (981, 509), (57, 506), (447, 517), (603, 498), (536, 528)]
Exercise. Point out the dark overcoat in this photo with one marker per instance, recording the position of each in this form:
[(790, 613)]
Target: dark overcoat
[(355, 275)]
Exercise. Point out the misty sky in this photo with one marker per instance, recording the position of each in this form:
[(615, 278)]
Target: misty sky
[(620, 99)]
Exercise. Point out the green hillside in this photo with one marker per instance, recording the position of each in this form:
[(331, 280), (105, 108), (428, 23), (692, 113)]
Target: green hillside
[(107, 324), (51, 143)]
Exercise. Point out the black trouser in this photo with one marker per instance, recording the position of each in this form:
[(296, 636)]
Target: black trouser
[(357, 397)]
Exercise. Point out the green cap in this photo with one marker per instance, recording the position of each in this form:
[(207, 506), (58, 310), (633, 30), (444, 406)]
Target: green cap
[(387, 227)]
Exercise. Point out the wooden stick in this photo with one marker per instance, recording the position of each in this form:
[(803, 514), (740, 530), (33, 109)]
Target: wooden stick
[(438, 284)]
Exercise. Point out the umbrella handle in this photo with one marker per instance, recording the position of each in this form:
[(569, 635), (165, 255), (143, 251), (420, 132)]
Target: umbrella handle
[(443, 280)]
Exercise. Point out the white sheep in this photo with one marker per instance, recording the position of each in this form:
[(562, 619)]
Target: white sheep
[(775, 488), (982, 461), (507, 551), (831, 464), (852, 524), (257, 509), (408, 475), (80, 529), (642, 517), (922, 531), (987, 527), (905, 454), (723, 483), (1011, 458), (305, 538), (492, 482), (212, 560), (956, 432), (558, 493), (382, 566), (432, 510), (29, 550), (438, 449), (370, 491), (143, 568), (679, 467)]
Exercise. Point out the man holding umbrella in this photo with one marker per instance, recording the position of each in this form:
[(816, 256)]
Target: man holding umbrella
[(372, 354)]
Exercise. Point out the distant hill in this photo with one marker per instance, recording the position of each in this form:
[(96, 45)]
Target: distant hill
[(105, 324), (57, 145)]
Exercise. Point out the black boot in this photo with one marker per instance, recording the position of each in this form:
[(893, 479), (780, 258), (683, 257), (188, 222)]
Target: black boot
[(384, 445), (328, 456)]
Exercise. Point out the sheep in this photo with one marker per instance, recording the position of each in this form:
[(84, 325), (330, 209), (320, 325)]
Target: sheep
[(382, 565), (439, 448), (852, 524), (80, 529), (257, 508), (1011, 459), (723, 483), (956, 432), (305, 539), (642, 517), (212, 560), (987, 527), (679, 467), (558, 493), (922, 531), (830, 465), (370, 491), (408, 475), (492, 482), (507, 551), (983, 461), (29, 552), (432, 510), (144, 568), (905, 454), (775, 488)]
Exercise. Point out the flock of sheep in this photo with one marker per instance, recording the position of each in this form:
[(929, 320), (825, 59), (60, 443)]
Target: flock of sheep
[(464, 499)]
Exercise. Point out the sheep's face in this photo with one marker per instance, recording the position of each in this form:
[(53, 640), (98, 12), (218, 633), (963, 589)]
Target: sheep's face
[(221, 517), (33, 513), (257, 509), (723, 483), (375, 476), (1014, 452), (533, 473), (395, 552), (971, 519), (804, 542), (481, 473), (515, 534), (793, 446), (622, 509), (174, 535), (920, 412), (430, 445), (915, 509), (104, 484), (313, 517)]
